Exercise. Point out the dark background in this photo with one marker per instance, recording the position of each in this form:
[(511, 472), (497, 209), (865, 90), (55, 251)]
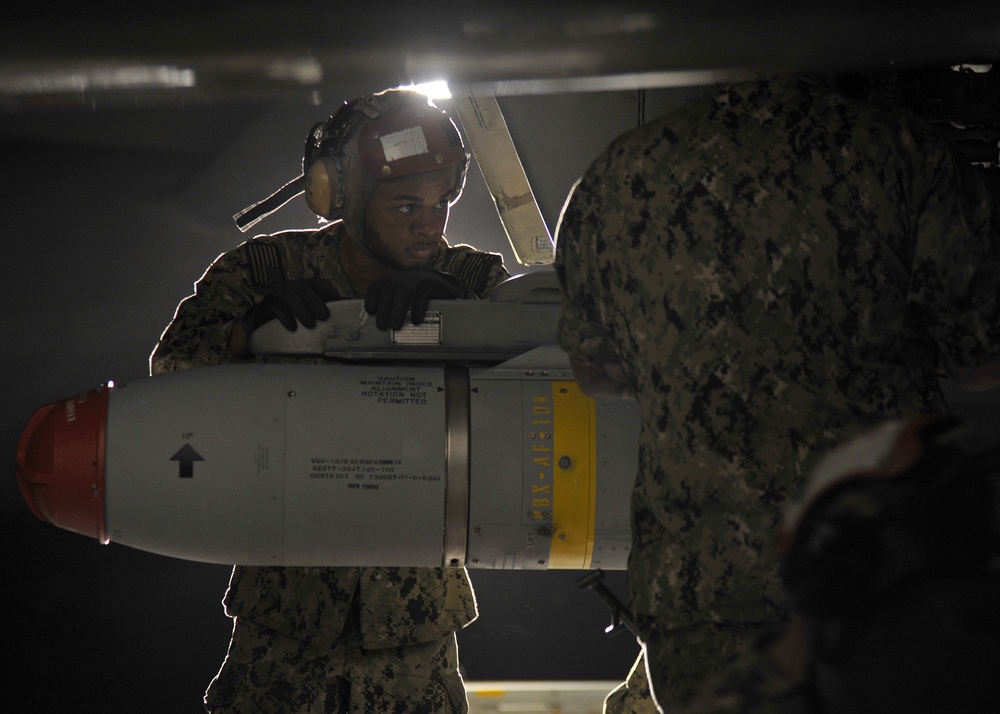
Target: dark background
[(114, 201), (113, 215)]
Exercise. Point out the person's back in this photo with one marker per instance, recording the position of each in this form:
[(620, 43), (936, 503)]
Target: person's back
[(774, 265)]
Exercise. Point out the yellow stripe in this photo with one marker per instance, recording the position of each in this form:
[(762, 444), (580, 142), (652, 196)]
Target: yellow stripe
[(574, 482)]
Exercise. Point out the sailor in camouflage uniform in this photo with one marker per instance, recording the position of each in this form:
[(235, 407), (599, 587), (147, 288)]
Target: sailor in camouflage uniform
[(766, 269), (317, 639)]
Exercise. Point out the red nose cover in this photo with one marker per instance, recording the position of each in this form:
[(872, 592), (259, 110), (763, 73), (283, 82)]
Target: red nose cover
[(60, 463)]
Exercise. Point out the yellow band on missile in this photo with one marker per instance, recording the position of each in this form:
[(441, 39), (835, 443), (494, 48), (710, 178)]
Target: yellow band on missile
[(574, 480)]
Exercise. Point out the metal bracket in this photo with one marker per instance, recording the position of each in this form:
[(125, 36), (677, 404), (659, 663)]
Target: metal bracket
[(496, 154), (620, 615)]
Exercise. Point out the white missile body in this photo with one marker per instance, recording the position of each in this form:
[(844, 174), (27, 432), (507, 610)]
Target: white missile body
[(479, 461)]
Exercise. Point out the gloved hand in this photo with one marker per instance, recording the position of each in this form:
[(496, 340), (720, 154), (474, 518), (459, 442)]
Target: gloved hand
[(389, 298), (290, 302)]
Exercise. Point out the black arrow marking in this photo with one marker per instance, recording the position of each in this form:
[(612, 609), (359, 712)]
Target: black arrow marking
[(186, 455)]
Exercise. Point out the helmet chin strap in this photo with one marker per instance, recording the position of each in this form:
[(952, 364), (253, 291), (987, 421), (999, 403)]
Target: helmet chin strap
[(252, 214)]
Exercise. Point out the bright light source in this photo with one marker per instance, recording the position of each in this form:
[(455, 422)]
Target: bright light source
[(434, 90)]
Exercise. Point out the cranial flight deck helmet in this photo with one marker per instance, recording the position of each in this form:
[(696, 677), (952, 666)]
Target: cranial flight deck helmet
[(375, 137)]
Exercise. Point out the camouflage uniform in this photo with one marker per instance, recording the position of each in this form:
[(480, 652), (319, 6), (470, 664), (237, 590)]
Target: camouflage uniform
[(774, 266), (752, 684), (381, 638)]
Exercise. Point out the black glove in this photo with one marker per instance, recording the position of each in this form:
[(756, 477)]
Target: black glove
[(389, 298), (303, 300)]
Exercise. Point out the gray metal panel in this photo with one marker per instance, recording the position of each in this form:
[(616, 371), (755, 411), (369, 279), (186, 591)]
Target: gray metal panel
[(513, 462), (500, 534), (521, 314), (295, 464), (384, 429), (457, 466), (506, 547), (545, 362), (236, 466), (618, 425)]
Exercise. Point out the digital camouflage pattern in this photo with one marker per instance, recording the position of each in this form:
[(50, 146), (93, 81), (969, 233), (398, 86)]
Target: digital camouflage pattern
[(752, 684), (915, 501), (680, 656), (774, 266), (395, 606), (267, 672)]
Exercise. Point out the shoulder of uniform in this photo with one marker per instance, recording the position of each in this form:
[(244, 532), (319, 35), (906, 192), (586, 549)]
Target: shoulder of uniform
[(295, 235), (478, 270), (466, 248), (267, 256), (462, 253)]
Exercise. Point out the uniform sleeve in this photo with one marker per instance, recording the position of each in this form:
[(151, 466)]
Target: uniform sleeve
[(750, 684), (495, 275), (477, 270), (198, 335), (580, 332), (955, 280)]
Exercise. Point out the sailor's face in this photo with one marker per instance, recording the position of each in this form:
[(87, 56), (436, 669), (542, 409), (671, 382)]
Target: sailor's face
[(405, 219)]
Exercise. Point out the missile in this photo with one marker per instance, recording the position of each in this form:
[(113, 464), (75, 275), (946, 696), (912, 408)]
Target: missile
[(488, 463)]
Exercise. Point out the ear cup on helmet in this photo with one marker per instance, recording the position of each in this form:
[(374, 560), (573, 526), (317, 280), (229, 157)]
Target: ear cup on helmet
[(314, 140), (324, 187), (323, 163)]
